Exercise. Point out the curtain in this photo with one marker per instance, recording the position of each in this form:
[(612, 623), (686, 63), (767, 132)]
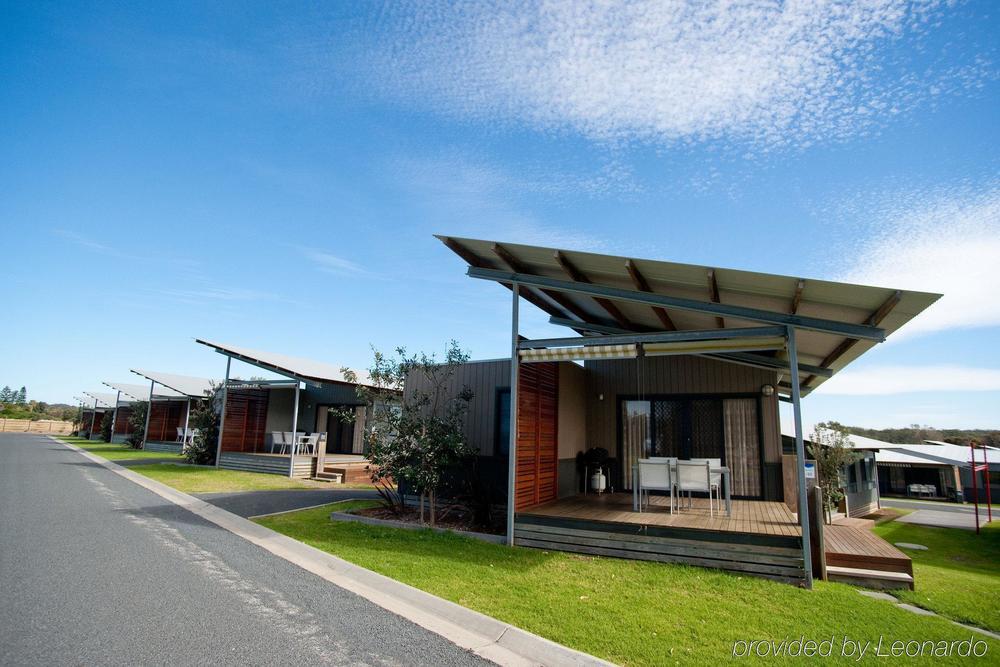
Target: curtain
[(742, 445), (635, 436)]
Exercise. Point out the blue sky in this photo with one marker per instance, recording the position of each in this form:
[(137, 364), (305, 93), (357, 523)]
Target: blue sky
[(271, 176)]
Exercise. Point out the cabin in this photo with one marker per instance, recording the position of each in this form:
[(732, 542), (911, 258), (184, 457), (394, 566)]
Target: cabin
[(671, 369), (937, 470), (309, 423), (126, 395), (860, 483), (168, 416), (96, 405)]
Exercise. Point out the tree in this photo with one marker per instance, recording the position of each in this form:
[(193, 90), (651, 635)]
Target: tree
[(21, 396), (6, 395), (137, 424), (414, 438), (106, 421), (205, 416), (830, 447)]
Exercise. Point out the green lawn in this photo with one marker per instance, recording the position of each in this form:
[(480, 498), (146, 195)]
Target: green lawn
[(115, 452), (194, 479), (629, 612), (959, 574)]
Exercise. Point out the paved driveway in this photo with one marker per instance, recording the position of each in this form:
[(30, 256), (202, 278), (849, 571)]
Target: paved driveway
[(255, 503), (943, 515), (97, 570)]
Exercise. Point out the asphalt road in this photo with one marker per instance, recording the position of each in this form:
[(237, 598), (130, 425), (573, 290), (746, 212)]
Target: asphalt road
[(96, 570), (255, 503), (904, 503)]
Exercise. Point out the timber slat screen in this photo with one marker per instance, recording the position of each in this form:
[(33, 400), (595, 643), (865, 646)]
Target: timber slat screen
[(537, 420), (164, 420), (246, 419), (39, 426), (121, 420)]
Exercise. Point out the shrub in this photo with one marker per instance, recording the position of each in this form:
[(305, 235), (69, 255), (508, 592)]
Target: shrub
[(106, 422), (205, 416), (137, 424)]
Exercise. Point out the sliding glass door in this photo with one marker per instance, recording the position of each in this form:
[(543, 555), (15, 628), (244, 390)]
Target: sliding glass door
[(695, 427)]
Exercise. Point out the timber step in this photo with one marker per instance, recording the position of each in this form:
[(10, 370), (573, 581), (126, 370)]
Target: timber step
[(868, 578), (334, 477), (857, 548), (350, 473)]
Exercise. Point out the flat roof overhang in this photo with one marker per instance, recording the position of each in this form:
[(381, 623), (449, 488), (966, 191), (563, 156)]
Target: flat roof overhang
[(603, 296)]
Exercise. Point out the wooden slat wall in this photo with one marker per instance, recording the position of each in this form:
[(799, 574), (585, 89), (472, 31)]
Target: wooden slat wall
[(165, 418), (673, 375), (246, 418), (484, 378), (537, 434), (121, 420)]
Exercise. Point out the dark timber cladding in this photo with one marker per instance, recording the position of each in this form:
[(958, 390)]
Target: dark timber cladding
[(165, 417), (537, 433), (121, 420), (246, 418)]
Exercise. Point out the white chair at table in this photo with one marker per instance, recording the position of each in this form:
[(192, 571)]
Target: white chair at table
[(716, 476), (180, 434), (655, 475), (693, 476), (278, 441), (307, 443)]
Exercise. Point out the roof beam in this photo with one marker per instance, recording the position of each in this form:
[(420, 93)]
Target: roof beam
[(473, 260), (743, 358), (861, 331), (516, 265), (643, 286), (606, 304), (797, 299), (873, 320), (658, 337), (713, 286)]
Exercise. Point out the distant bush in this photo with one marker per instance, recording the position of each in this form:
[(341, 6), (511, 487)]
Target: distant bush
[(137, 424), (106, 422), (205, 416)]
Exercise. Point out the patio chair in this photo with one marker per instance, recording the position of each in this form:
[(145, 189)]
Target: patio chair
[(278, 440), (180, 435), (307, 443), (716, 476), (655, 476), (692, 476)]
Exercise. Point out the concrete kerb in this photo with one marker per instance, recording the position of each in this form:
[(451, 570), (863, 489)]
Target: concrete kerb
[(485, 636)]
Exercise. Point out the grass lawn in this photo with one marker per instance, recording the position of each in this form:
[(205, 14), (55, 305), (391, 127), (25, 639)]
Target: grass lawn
[(629, 612), (959, 574), (116, 452), (194, 479)]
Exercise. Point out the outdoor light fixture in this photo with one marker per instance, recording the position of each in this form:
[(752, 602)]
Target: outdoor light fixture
[(767, 390)]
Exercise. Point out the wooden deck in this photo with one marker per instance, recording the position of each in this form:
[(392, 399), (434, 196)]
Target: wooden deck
[(850, 545), (748, 516)]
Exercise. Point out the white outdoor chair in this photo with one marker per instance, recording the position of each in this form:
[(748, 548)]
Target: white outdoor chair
[(180, 435), (692, 476), (307, 443), (277, 442), (655, 476), (716, 476)]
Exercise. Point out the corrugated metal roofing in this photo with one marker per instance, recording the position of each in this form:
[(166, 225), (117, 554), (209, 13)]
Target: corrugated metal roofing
[(303, 369), (140, 392), (840, 302), (104, 399), (178, 385)]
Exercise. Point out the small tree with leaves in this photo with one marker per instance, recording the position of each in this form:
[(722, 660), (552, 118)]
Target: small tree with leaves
[(414, 437), (106, 422), (206, 416), (6, 395), (21, 396), (830, 447), (137, 424)]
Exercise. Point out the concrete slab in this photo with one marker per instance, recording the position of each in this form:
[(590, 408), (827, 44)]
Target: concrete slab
[(941, 519)]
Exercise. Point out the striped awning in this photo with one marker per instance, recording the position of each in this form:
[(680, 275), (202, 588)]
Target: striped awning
[(580, 353), (751, 344)]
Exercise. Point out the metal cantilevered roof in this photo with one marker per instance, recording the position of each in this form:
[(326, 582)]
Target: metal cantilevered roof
[(835, 322), (172, 385), (305, 370), (104, 400), (139, 392)]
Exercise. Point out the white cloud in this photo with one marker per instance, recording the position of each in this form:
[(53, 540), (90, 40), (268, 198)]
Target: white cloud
[(947, 241), (331, 263), (762, 73), (881, 380)]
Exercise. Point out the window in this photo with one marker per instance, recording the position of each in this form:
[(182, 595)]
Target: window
[(502, 430)]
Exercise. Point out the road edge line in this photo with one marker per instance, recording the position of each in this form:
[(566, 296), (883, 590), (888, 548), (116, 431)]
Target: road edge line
[(487, 637)]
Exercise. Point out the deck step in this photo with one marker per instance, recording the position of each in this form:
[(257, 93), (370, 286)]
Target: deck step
[(334, 477), (879, 579), (350, 473)]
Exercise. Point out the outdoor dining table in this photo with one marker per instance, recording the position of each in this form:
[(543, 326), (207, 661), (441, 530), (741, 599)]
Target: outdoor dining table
[(722, 470)]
